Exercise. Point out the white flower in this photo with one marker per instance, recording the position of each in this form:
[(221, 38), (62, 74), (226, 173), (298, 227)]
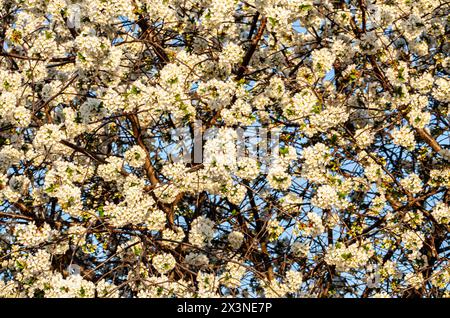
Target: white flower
[(174, 238), (135, 156), (322, 60), (300, 106), (404, 137), (414, 279), (326, 197), (235, 239), (236, 193), (202, 231), (49, 135), (30, 235), (234, 272), (207, 284), (9, 155), (164, 263), (294, 280), (274, 229), (441, 213), (412, 183), (418, 118), (346, 258), (278, 178), (156, 220), (442, 89), (247, 168), (316, 158), (300, 249), (197, 259), (364, 137), (413, 241), (110, 171), (314, 226), (231, 54), (445, 153)]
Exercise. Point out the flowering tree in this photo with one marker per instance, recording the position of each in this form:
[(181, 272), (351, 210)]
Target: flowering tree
[(349, 198)]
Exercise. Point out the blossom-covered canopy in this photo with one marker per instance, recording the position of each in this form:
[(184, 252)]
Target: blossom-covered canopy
[(96, 200)]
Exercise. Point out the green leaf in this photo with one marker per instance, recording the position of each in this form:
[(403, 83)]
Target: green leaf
[(284, 151), (347, 256), (81, 57), (342, 195), (272, 21), (317, 108), (101, 211), (305, 7), (134, 90), (50, 189)]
